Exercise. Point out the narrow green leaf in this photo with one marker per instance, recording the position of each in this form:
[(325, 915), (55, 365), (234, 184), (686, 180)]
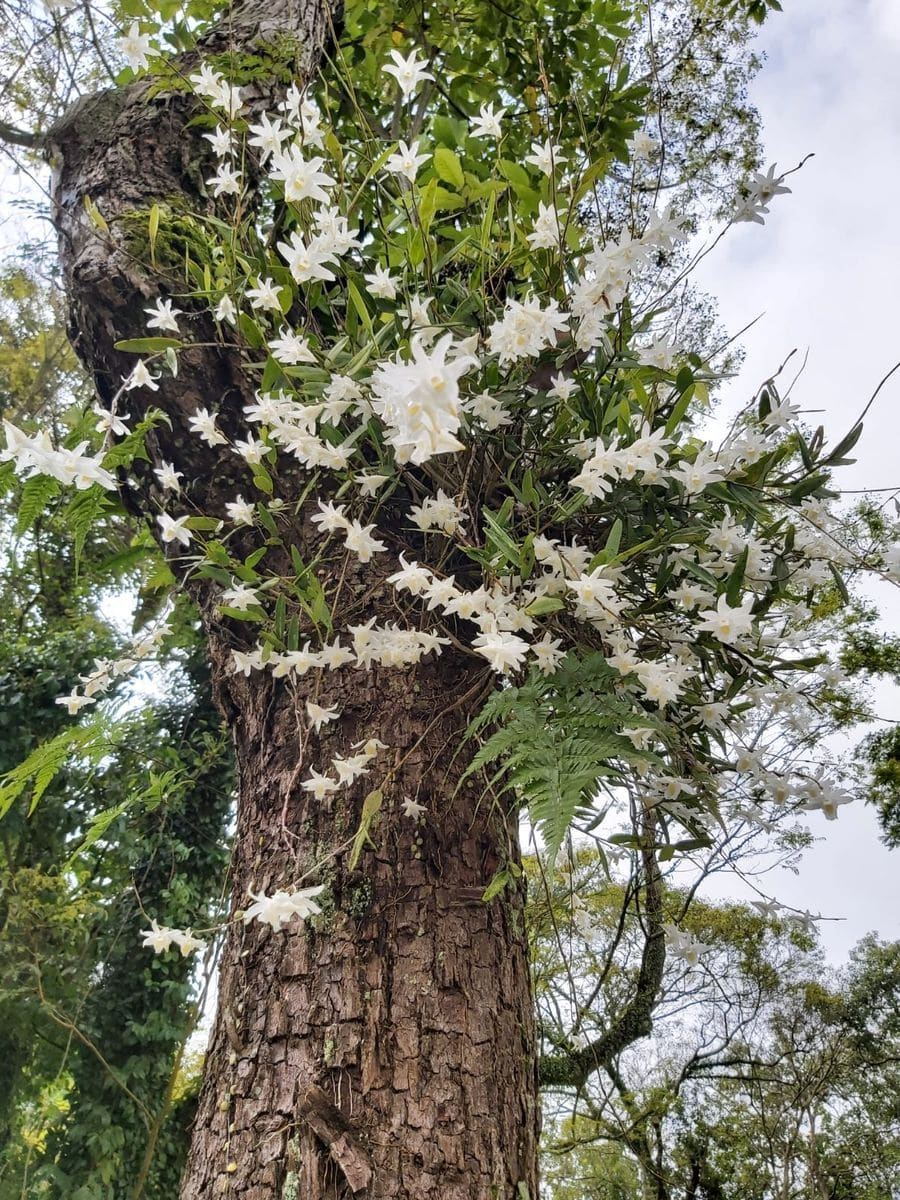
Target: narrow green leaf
[(154, 230), (370, 810), (149, 345), (735, 583), (95, 215), (360, 305), (839, 583)]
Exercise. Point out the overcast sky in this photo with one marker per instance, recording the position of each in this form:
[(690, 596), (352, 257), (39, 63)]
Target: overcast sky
[(824, 273)]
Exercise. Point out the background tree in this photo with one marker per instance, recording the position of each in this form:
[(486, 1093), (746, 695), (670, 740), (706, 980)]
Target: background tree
[(89, 1040), (767, 1075)]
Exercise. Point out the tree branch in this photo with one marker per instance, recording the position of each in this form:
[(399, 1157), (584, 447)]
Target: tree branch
[(21, 137), (575, 1068)]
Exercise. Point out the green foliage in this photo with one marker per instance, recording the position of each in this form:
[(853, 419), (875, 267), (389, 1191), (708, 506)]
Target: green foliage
[(155, 842), (553, 742), (756, 10), (788, 1072), (882, 753), (37, 493), (38, 369), (131, 804)]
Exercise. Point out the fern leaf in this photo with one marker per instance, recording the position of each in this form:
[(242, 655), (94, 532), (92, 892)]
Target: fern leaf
[(82, 513), (43, 764), (553, 740), (37, 492)]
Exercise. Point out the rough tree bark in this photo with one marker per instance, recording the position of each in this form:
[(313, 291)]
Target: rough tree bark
[(389, 1054), (386, 1049)]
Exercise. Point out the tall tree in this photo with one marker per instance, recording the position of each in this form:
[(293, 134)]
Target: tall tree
[(387, 1046), (414, 1010)]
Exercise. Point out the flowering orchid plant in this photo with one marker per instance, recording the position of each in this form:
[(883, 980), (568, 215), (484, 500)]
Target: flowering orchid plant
[(479, 393)]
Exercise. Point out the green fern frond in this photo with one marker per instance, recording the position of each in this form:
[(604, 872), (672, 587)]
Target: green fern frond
[(41, 767), (37, 493), (553, 739), (83, 513)]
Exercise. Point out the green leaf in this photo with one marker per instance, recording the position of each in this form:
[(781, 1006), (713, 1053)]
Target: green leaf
[(544, 605), (250, 330), (614, 540), (370, 810), (83, 513), (449, 132), (839, 583), (487, 221), (498, 539), (360, 305), (836, 457), (267, 521), (806, 487), (95, 215), (736, 579), (448, 167), (445, 201), (154, 230), (516, 175), (500, 880), (262, 479), (43, 764), (217, 553), (203, 524), (98, 826), (552, 740), (427, 208), (37, 492), (679, 411), (149, 345), (254, 615)]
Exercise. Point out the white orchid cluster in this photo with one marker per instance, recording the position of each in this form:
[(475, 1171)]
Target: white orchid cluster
[(429, 399), (348, 768), (684, 945), (106, 671), (761, 190), (281, 907), (160, 938), (275, 910), (38, 456), (765, 778), (400, 409), (371, 645)]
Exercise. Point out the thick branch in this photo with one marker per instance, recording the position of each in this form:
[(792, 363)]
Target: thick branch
[(575, 1068), (21, 137)]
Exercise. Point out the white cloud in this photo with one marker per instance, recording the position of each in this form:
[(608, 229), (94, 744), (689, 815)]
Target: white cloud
[(887, 18)]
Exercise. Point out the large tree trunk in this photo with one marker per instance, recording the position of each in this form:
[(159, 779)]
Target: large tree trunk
[(386, 1048)]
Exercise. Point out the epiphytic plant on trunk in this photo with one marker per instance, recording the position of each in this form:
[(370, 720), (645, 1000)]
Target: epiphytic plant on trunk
[(418, 437)]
